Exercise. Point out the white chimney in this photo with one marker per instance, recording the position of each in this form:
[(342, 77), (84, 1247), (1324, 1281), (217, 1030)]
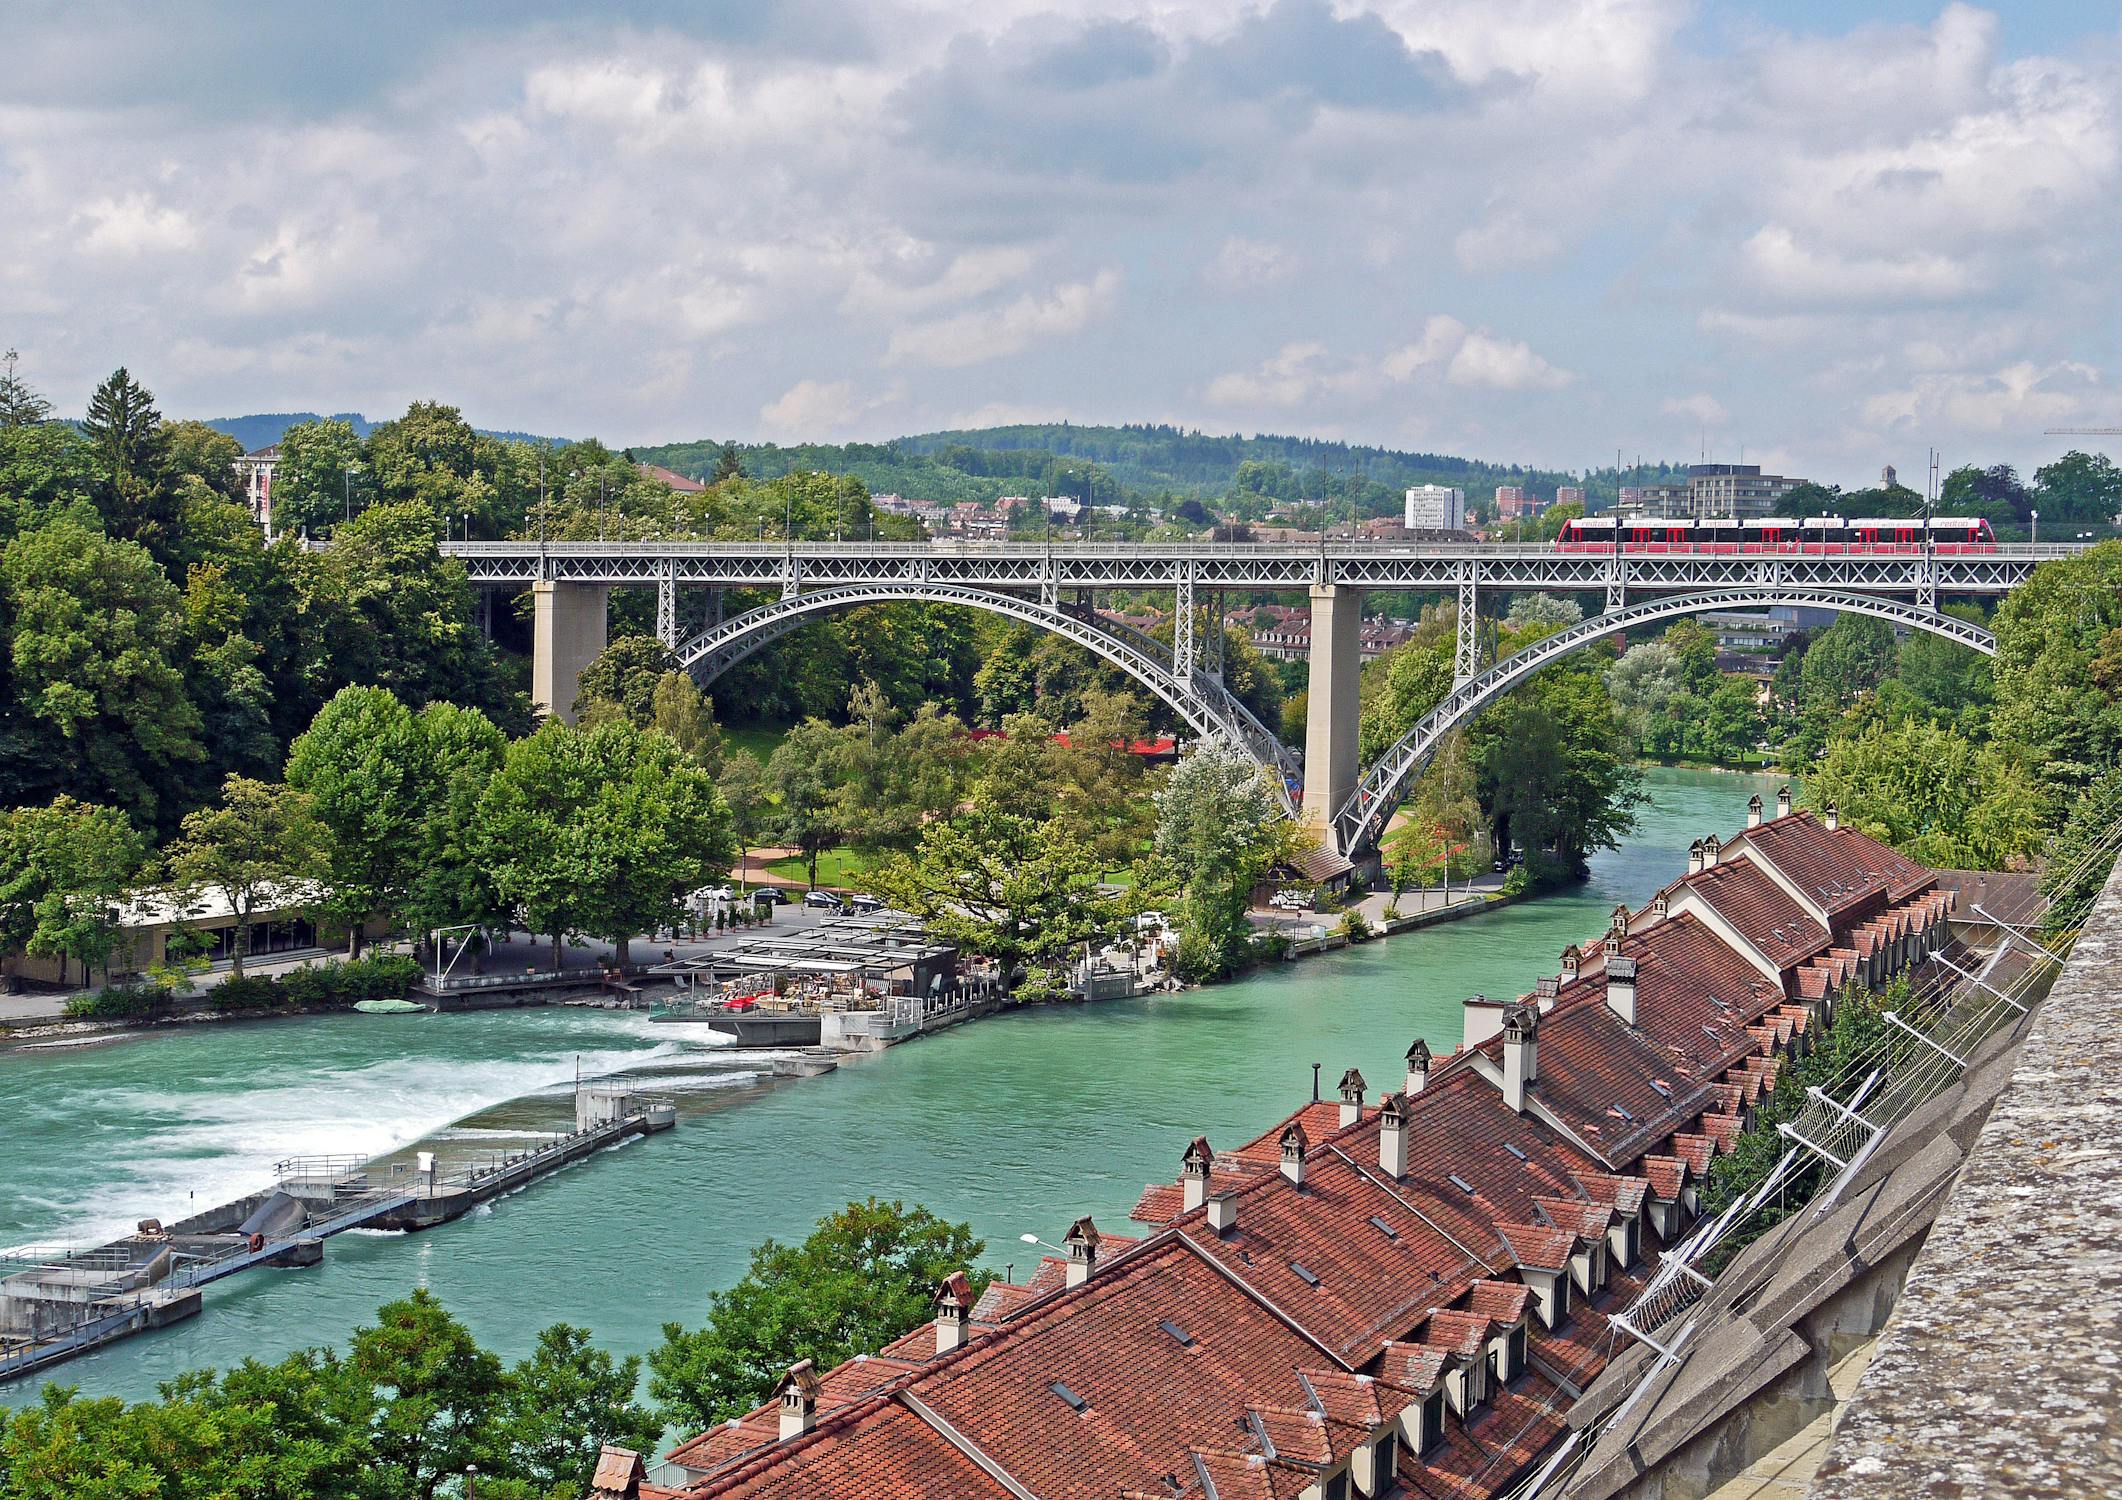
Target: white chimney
[(1193, 1172), (1521, 1053), (1753, 811), (1392, 1137), (1547, 989), (1417, 1067), (1830, 817), (1782, 801), (1352, 1088), (1572, 961), (954, 1311), (1621, 988), (799, 1400), (1694, 858), (1712, 848), (1082, 1247), (1293, 1143), (1223, 1211)]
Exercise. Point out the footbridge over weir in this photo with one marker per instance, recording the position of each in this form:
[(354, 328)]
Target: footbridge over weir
[(1054, 586)]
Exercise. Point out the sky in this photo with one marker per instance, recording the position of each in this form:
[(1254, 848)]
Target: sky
[(1819, 236)]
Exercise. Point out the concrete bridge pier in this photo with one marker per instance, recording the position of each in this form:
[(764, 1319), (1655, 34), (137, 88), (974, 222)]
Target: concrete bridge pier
[(1332, 720), (567, 634)]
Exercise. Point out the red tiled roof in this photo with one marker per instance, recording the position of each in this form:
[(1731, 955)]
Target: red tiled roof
[(1841, 869), (1412, 1368), (1248, 1476), (877, 1448), (1501, 1301), (839, 1387), (1295, 1433), (1761, 911), (1667, 1175), (1541, 1246)]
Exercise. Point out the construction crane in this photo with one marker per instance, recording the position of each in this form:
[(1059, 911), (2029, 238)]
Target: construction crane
[(2082, 432)]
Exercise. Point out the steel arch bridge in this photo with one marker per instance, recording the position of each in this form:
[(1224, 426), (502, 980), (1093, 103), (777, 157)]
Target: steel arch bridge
[(1201, 699), (1360, 821)]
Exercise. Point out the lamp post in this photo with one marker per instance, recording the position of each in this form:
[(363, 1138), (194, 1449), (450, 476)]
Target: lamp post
[(2034, 535)]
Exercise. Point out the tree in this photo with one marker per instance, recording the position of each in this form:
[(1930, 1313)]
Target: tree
[(559, 1406), (320, 480), (865, 1276), (1217, 830), (727, 464), (369, 778), (452, 883), (682, 714), (623, 679), (744, 792), (125, 432), (1549, 771), (1415, 679), (1643, 684), (97, 652), (443, 1390), (1842, 664), (1933, 794), (2079, 489), (1806, 498), (1994, 493), (64, 868), (1433, 839), (259, 847), (19, 405), (801, 777), (2058, 675), (1025, 893), (1552, 611)]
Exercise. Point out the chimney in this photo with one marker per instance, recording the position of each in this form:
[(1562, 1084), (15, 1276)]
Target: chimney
[(1521, 1053), (1712, 847), (1193, 1172), (1392, 1137), (1223, 1211), (1621, 988), (1352, 1087), (799, 1400), (1661, 905), (1782, 801), (1572, 961), (1546, 990), (1753, 811), (954, 1311), (1619, 920), (1694, 858), (1417, 1067), (1831, 818), (1293, 1143), (1082, 1247)]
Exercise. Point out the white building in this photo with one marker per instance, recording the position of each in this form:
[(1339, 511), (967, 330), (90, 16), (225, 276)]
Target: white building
[(1436, 506)]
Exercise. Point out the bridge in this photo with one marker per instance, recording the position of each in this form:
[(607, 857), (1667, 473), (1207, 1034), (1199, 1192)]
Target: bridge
[(1052, 586)]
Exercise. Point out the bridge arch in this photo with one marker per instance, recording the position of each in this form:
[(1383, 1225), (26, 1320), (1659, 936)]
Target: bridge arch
[(1206, 705), (1362, 818)]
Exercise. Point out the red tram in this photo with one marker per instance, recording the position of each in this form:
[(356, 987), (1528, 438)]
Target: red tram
[(1815, 536)]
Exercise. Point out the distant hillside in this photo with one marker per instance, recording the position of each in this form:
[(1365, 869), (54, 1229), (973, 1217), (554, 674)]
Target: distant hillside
[(1129, 463), (263, 429)]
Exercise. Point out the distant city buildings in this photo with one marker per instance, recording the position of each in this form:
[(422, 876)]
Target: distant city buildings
[(1436, 507), (681, 483), (1284, 633), (1512, 502), (1710, 492), (1569, 494), (255, 471)]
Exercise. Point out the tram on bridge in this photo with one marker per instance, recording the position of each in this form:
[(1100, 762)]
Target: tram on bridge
[(1816, 536)]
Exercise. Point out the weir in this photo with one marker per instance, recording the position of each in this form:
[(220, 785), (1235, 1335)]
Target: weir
[(59, 1304)]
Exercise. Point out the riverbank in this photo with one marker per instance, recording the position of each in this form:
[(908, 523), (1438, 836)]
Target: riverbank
[(1015, 1125)]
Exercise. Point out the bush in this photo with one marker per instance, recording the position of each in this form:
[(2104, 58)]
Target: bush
[(328, 986), (250, 992), (1355, 926), (1518, 881), (116, 1002)]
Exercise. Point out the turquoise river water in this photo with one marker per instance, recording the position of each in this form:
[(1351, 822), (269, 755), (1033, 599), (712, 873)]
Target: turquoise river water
[(1017, 1124)]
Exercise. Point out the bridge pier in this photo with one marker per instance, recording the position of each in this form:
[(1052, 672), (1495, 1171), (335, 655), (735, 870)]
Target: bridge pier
[(1333, 716), (567, 634)]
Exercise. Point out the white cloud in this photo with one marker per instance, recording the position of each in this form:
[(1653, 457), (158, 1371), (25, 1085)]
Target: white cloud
[(2018, 398), (1504, 365), (1786, 269), (1702, 409), (1290, 377), (1242, 264), (818, 410), (135, 225), (1440, 340), (974, 273), (971, 338)]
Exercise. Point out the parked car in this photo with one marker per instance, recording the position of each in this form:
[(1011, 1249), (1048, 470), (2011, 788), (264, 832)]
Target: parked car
[(822, 901), (713, 895), (773, 895), (864, 904)]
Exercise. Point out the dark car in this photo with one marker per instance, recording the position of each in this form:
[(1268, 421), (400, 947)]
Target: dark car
[(821, 901), (772, 895), (865, 904)]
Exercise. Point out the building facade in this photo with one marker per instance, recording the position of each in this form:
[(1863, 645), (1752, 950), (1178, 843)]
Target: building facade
[(1436, 506), (1711, 492)]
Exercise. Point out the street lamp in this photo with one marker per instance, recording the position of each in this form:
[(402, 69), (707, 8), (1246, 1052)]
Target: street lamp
[(2034, 535), (1033, 1239)]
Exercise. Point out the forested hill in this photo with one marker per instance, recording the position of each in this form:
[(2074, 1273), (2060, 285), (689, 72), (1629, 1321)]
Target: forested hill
[(1111, 464), (263, 429)]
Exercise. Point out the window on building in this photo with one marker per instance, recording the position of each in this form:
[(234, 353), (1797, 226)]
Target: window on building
[(1432, 1431)]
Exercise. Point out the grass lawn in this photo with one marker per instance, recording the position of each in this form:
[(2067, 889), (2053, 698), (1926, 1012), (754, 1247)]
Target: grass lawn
[(836, 867), (758, 739)]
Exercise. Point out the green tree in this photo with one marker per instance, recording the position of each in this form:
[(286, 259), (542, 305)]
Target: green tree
[(1933, 794), (367, 772), (124, 430), (2078, 489), (558, 1407), (865, 1276), (682, 714), (623, 679), (727, 464), (1025, 893), (259, 847), (1643, 684), (1218, 832), (97, 648), (2058, 674), (64, 870), (1549, 770), (452, 883), (1842, 665), (802, 778), (744, 792), (19, 405), (1994, 493), (320, 480), (443, 1392)]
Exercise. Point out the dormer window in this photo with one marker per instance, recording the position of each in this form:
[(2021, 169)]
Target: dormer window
[(1384, 1463), (1337, 1485), (1430, 1423)]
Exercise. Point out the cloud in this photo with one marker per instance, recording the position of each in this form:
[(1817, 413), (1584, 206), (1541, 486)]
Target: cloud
[(1504, 365), (818, 410), (1288, 378), (1702, 409), (1242, 264), (135, 225), (2021, 397), (1440, 340), (971, 338)]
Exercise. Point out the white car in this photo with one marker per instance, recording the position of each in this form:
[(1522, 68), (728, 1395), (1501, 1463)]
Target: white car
[(714, 894)]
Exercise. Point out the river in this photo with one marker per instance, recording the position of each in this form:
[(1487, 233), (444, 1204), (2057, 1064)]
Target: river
[(1017, 1123)]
